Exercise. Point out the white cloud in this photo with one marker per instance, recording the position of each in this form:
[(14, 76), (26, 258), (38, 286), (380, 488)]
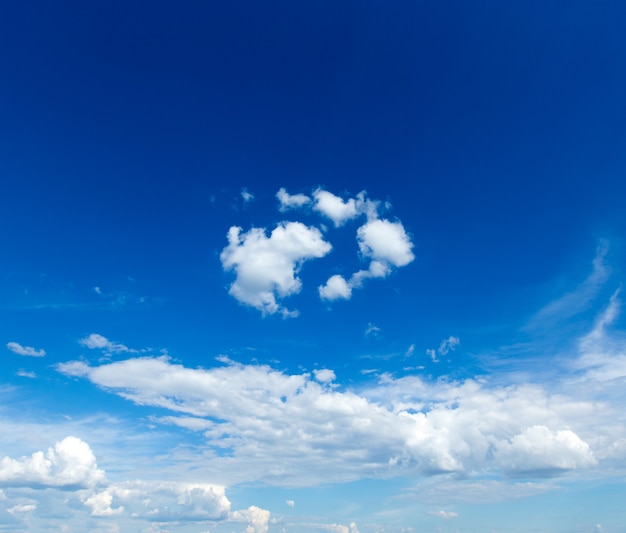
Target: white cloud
[(324, 375), (386, 242), (256, 517), (161, 501), (246, 195), (538, 450), (446, 515), (333, 207), (372, 330), (335, 288), (401, 426), (26, 374), (97, 341), (410, 351), (22, 508), (70, 463), (291, 201), (448, 345), (291, 503), (266, 268), (25, 350)]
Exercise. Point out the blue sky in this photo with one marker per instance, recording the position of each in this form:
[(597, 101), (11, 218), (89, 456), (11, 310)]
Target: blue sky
[(344, 267)]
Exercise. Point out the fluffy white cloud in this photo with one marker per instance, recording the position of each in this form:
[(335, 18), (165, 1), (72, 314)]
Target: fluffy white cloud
[(333, 207), (291, 201), (257, 518), (25, 350), (386, 242), (97, 341), (324, 375), (266, 268), (70, 463), (161, 501), (398, 427)]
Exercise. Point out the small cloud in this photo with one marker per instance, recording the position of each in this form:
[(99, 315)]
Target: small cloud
[(96, 341), (446, 515), (410, 351), (372, 330), (324, 375), (26, 374), (291, 201), (334, 207), (97, 290), (247, 196), (291, 503), (25, 350), (335, 288), (448, 345)]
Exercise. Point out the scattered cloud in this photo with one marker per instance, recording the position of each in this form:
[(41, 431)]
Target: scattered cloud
[(247, 196), (324, 375), (334, 207), (26, 374), (336, 288), (291, 201), (257, 519), (372, 330), (97, 341), (25, 350), (291, 503), (446, 515), (70, 463), (447, 345), (410, 351), (266, 268)]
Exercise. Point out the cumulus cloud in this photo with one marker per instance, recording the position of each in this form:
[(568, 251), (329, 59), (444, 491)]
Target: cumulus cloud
[(334, 207), (70, 463), (25, 350), (162, 501), (291, 503), (291, 201), (257, 518), (97, 341), (266, 268), (402, 426), (385, 244)]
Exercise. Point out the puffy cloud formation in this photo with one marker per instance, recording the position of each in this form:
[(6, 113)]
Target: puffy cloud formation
[(162, 501), (266, 268), (386, 244), (400, 426), (291, 201), (70, 463), (25, 350), (256, 517)]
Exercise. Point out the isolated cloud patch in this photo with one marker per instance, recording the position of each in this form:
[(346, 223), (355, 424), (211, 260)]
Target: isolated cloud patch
[(25, 350), (70, 463), (266, 268), (291, 201), (97, 341)]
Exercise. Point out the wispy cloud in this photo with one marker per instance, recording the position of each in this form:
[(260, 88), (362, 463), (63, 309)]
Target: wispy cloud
[(25, 350)]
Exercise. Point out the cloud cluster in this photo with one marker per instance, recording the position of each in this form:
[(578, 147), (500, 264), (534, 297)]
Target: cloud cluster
[(400, 426), (70, 463), (266, 268), (25, 350)]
